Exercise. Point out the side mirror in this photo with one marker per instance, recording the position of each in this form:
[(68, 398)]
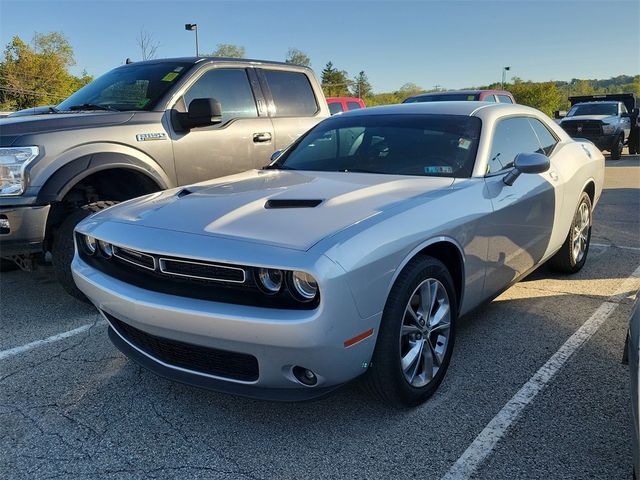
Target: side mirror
[(558, 114), (625, 115), (275, 155), (635, 112), (202, 112), (527, 163)]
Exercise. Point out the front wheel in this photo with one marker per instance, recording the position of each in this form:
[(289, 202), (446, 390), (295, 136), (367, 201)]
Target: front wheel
[(62, 249), (616, 148), (416, 336), (573, 254)]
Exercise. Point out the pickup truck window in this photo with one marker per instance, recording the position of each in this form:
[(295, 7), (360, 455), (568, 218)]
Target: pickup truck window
[(292, 94), (229, 86), (353, 105), (335, 108), (504, 99), (593, 109), (130, 87)]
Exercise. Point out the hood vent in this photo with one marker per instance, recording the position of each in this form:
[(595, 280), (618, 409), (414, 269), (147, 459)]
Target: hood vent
[(183, 193), (292, 203)]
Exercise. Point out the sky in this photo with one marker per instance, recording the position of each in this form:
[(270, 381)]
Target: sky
[(452, 44)]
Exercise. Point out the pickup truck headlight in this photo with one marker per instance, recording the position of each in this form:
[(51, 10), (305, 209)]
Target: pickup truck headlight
[(13, 162), (607, 129)]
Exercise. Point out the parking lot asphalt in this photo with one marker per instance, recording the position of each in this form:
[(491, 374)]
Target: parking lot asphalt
[(76, 408)]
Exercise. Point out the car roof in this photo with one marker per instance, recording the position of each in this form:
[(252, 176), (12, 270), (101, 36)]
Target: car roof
[(463, 92), (202, 59), (442, 108)]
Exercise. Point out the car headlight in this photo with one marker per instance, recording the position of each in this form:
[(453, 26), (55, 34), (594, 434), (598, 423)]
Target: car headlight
[(106, 249), (90, 244), (606, 128), (304, 286), (13, 162), (269, 280)]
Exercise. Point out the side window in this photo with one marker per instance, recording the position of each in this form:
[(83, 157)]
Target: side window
[(353, 105), (335, 107), (292, 94), (489, 98), (504, 99), (230, 86), (546, 138), (623, 109), (511, 137)]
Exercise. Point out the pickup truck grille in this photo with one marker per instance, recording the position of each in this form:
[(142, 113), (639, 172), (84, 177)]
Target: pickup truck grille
[(580, 128), (211, 361)]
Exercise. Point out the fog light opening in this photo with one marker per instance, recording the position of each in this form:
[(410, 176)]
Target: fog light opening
[(305, 376)]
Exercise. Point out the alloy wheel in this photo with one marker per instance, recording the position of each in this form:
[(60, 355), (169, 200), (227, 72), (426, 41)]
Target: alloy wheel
[(581, 224)]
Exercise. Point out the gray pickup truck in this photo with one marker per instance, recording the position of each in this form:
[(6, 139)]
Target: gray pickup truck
[(609, 121), (141, 128)]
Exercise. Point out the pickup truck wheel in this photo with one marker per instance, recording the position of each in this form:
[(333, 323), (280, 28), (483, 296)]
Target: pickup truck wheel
[(7, 265), (616, 148), (62, 249), (633, 149), (573, 254), (416, 335)]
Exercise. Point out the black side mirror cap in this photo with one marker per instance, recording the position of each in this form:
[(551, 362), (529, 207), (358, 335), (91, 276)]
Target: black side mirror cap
[(527, 163), (202, 112)]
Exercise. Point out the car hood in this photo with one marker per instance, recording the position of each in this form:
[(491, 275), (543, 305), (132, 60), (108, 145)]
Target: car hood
[(588, 117), (283, 208), (33, 124)]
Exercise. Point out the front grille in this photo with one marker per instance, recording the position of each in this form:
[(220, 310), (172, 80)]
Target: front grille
[(577, 128), (189, 278), (211, 361)]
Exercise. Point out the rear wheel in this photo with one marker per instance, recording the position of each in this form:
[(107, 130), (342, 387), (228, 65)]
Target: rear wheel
[(416, 335), (616, 148), (63, 250), (573, 254)]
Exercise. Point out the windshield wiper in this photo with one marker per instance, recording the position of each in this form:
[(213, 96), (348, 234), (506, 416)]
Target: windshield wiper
[(92, 106)]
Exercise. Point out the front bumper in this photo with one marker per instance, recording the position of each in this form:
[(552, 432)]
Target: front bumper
[(26, 229), (278, 339), (603, 142)]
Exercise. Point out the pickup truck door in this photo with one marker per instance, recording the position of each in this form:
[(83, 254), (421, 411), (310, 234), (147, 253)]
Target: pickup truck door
[(520, 228), (243, 141), (292, 103)]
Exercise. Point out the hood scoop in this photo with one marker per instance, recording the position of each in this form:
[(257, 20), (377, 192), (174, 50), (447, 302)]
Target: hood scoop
[(292, 203)]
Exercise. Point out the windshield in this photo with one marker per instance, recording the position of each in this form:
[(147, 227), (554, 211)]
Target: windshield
[(131, 87), (593, 109), (450, 97), (427, 145)]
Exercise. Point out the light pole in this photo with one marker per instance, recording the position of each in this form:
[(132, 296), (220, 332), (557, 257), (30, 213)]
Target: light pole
[(504, 75), (193, 27)]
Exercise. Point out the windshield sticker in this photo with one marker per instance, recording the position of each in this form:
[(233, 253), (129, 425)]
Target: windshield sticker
[(464, 143), (178, 69), (438, 170), (471, 98), (170, 77)]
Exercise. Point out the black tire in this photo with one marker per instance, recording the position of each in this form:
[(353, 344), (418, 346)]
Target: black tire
[(564, 260), (616, 147), (7, 265), (62, 249), (633, 149), (385, 378)]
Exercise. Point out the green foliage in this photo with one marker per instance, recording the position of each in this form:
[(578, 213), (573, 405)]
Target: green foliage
[(545, 96), (298, 57), (229, 50), (335, 83), (38, 74), (361, 87)]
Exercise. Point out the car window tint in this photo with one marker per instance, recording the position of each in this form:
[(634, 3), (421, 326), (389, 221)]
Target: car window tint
[(353, 105), (292, 94), (489, 98), (504, 99), (335, 108), (546, 139), (228, 86), (511, 137), (623, 109)]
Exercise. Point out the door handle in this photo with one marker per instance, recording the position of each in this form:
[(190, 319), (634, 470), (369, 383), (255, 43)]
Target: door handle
[(261, 137)]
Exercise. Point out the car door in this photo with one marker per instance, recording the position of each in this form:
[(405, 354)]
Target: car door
[(520, 227), (242, 141), (292, 104)]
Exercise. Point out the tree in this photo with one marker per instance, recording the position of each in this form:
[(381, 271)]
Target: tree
[(335, 83), (409, 90), (147, 44), (39, 74), (544, 96), (229, 50), (298, 57), (361, 86)]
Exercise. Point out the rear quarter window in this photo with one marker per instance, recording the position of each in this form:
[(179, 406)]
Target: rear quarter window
[(292, 94), (353, 105)]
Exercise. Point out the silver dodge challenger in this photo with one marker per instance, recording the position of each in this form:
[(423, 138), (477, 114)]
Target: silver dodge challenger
[(352, 254)]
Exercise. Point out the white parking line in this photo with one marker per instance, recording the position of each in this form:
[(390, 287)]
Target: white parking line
[(487, 440), (54, 338), (637, 249)]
